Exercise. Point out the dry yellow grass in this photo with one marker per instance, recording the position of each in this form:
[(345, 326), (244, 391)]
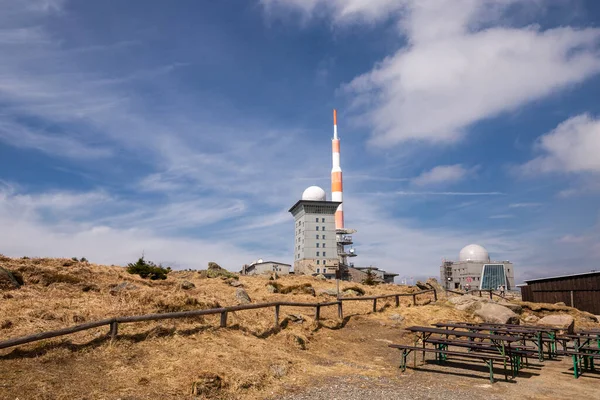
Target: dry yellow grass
[(163, 359)]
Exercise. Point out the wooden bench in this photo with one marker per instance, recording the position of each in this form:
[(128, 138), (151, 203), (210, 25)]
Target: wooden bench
[(487, 358)]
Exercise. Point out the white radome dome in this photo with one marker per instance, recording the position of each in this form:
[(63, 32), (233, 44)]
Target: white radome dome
[(314, 193), (474, 252)]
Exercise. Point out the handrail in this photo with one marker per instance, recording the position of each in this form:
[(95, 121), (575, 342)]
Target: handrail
[(113, 322)]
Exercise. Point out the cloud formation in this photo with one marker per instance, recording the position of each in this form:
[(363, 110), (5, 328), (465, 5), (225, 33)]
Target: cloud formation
[(442, 174), (572, 147)]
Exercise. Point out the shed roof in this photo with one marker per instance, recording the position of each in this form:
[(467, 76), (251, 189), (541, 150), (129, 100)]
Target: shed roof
[(563, 276)]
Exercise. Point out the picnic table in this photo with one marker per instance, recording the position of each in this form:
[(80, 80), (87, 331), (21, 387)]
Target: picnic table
[(484, 346), (586, 348), (535, 334)]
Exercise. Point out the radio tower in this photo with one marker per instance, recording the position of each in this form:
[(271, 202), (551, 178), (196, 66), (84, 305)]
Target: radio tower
[(343, 237)]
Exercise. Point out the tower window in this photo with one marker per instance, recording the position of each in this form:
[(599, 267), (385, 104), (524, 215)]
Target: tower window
[(323, 244), (317, 236), (323, 238), (317, 228), (324, 255), (317, 245), (322, 219), (317, 219), (317, 254), (318, 263), (322, 228)]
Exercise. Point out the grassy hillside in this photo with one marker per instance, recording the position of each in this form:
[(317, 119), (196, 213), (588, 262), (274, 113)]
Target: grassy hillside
[(248, 359)]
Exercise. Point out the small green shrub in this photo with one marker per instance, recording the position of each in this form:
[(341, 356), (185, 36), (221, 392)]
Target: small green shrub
[(75, 259), (147, 269), (370, 279), (24, 258), (83, 259)]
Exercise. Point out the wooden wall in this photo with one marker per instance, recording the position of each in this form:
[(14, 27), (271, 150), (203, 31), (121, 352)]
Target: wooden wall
[(582, 292)]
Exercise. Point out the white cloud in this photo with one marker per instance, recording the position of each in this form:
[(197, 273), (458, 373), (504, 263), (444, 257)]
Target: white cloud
[(442, 174), (502, 216), (524, 205), (572, 147)]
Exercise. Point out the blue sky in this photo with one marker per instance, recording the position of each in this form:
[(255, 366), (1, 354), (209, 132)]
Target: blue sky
[(186, 130)]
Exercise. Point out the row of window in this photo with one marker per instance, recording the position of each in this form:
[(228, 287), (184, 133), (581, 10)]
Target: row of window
[(322, 228), (320, 264), (317, 219), (321, 243)]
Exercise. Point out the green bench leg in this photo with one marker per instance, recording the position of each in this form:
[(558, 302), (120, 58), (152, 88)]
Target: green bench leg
[(491, 365), (575, 372)]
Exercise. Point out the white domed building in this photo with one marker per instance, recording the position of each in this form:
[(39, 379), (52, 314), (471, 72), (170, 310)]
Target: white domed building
[(315, 244), (475, 270)]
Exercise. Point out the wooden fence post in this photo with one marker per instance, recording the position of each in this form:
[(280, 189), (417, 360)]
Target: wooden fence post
[(434, 295), (414, 299), (572, 299), (480, 293), (340, 311), (317, 313), (224, 319), (374, 305), (277, 316), (397, 301), (114, 329), (490, 294)]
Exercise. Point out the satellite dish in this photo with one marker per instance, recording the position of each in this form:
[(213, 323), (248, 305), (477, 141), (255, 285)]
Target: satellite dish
[(260, 260)]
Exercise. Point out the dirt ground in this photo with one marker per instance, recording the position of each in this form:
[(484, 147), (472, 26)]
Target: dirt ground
[(249, 359)]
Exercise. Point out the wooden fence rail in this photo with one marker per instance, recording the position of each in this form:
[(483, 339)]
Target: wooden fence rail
[(223, 311), (473, 291)]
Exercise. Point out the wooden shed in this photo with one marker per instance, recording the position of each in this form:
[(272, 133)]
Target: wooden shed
[(581, 291)]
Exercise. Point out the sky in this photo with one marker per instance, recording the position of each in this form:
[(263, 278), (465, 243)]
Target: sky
[(186, 130)]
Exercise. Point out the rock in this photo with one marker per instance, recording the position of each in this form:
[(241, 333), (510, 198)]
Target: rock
[(78, 318), (274, 276), (467, 302), (8, 280), (242, 297), (531, 319), (564, 322), (207, 384), (6, 324), (497, 314), (351, 293), (271, 289), (321, 277), (297, 318), (279, 370), (589, 316), (422, 286), (236, 283), (328, 292), (309, 290), (121, 287), (186, 285), (513, 307), (560, 303), (432, 282), (88, 288), (397, 317)]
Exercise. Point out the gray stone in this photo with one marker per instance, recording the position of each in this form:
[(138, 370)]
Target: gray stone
[(497, 314), (328, 292), (186, 285), (560, 303), (564, 322), (296, 318), (351, 293), (321, 277), (236, 283), (121, 287), (242, 297), (467, 302), (397, 317)]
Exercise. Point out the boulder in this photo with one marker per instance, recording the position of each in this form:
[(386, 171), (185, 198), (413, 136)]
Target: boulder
[(271, 289), (321, 277), (422, 286), (565, 322), (433, 283), (497, 314), (121, 287), (467, 302), (242, 297), (351, 293), (531, 319), (186, 285), (560, 303), (8, 281), (513, 307)]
